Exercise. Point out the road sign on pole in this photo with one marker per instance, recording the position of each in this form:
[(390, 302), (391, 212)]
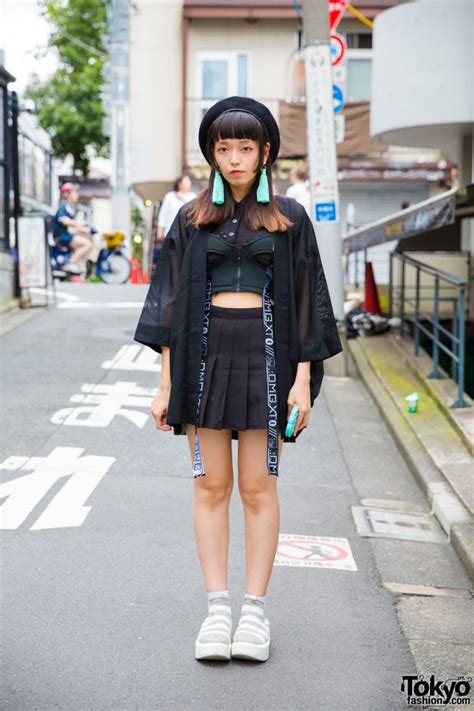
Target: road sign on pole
[(338, 48), (339, 127), (338, 98), (322, 148), (336, 10), (321, 144)]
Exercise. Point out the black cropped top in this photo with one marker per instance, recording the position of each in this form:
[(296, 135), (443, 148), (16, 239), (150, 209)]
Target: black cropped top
[(239, 268), (237, 256)]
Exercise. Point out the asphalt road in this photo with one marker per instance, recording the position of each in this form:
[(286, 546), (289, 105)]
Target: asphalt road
[(102, 589)]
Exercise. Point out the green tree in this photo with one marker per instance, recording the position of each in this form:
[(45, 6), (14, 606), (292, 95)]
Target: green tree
[(69, 103)]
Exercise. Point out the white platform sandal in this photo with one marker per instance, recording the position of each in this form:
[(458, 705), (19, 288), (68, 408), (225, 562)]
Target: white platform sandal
[(252, 635), (214, 637)]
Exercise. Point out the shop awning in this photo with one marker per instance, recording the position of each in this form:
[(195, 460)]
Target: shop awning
[(357, 139), (427, 215)]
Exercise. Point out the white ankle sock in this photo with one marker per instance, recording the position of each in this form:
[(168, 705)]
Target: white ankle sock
[(220, 593), (260, 598)]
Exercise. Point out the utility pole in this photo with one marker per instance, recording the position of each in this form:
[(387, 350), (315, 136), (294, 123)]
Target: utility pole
[(322, 147), (119, 17)]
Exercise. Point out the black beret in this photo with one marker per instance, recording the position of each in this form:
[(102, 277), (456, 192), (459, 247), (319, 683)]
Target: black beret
[(241, 103)]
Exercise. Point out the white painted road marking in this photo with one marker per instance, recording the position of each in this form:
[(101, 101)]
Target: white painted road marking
[(67, 508), (103, 402), (314, 552), (51, 292), (134, 357), (101, 305)]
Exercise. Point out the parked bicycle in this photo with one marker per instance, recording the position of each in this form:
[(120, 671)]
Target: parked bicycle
[(112, 265)]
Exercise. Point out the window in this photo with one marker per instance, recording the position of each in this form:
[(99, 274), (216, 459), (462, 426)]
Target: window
[(359, 40), (359, 65), (359, 74), (220, 74), (214, 78)]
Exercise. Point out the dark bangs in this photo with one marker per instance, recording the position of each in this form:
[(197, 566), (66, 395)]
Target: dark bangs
[(236, 124), (239, 125)]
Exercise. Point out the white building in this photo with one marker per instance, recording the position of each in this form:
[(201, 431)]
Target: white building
[(423, 94), (187, 54)]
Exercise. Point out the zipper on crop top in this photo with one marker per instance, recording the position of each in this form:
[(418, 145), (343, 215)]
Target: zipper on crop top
[(238, 268)]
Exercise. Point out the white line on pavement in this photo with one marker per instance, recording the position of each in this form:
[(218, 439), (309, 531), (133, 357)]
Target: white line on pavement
[(51, 292)]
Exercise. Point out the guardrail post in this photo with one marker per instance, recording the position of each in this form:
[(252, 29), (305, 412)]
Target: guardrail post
[(402, 300), (390, 284), (455, 342), (460, 402), (435, 372), (417, 311)]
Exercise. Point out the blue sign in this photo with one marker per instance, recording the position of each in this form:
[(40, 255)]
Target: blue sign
[(325, 212), (338, 98)]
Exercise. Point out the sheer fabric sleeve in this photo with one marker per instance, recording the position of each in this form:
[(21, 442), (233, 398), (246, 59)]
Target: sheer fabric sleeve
[(318, 336), (154, 325)]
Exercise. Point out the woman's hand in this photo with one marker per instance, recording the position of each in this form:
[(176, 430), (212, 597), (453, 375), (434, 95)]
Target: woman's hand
[(159, 409), (300, 396)]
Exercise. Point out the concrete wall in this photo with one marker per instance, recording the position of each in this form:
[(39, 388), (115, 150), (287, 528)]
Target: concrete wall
[(7, 278), (155, 90), (101, 214), (269, 45)]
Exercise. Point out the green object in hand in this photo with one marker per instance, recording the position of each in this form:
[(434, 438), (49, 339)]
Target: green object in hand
[(292, 421)]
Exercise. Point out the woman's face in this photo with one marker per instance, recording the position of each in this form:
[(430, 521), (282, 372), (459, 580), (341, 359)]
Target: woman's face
[(185, 185), (237, 160)]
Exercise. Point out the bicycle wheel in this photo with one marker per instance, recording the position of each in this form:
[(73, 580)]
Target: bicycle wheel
[(115, 269)]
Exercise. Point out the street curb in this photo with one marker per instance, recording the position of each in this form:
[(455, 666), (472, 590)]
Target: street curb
[(13, 315), (446, 506), (9, 305), (432, 388), (462, 536)]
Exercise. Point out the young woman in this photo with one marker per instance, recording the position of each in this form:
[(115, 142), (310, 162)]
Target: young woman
[(172, 202), (240, 310)]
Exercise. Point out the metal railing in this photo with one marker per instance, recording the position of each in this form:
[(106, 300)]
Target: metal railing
[(447, 282)]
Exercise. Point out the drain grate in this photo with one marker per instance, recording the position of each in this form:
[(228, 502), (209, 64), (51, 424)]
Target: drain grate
[(386, 523)]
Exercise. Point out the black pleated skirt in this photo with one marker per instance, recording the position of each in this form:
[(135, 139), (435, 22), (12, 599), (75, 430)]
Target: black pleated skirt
[(235, 380)]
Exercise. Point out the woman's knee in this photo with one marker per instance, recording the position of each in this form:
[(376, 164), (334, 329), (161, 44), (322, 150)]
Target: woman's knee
[(215, 488), (216, 450), (80, 241), (257, 493), (213, 491)]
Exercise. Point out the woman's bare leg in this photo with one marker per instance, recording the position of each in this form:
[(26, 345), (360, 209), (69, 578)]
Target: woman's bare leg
[(211, 504), (259, 496), (81, 246)]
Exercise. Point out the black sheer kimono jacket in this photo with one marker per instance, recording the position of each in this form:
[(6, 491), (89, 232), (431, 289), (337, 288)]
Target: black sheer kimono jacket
[(305, 328)]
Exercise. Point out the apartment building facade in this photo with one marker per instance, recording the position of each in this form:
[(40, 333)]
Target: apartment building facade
[(186, 54)]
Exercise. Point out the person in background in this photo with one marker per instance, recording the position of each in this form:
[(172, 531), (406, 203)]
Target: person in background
[(173, 200), (299, 188), (68, 232)]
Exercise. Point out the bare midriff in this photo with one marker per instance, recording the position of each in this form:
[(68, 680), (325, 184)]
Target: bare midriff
[(237, 299)]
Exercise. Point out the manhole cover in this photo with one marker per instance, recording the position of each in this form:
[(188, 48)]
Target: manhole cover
[(388, 523)]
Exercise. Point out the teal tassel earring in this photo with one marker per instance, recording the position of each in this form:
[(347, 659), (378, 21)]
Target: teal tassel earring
[(263, 193), (218, 189)]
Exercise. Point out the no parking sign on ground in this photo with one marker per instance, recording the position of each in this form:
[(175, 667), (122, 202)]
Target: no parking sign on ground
[(314, 552)]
